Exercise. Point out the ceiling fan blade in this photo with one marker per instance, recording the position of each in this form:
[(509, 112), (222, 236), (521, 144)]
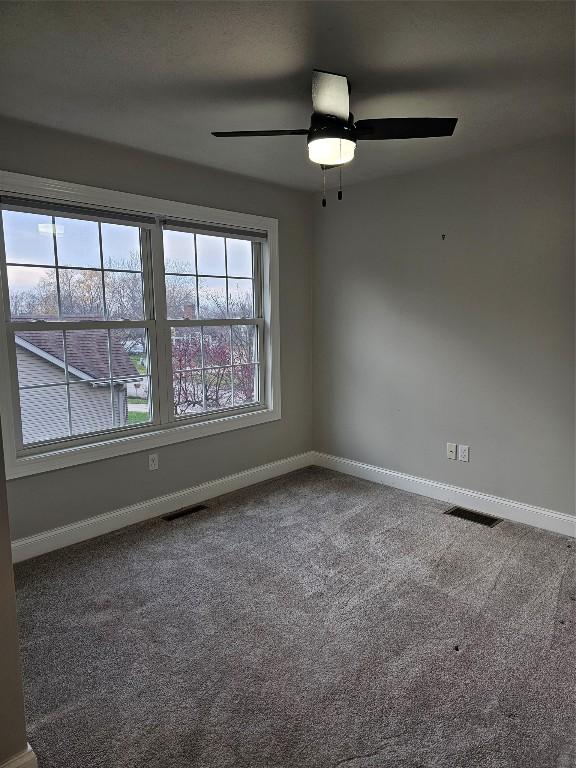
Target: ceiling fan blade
[(330, 94), (405, 128), (295, 132)]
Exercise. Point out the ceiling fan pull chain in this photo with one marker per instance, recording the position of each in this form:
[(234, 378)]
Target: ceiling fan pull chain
[(340, 187), (323, 186)]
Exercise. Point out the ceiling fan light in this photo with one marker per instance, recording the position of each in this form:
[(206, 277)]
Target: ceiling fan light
[(331, 151)]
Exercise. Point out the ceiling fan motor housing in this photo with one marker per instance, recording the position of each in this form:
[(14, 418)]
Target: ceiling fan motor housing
[(331, 140), (329, 127)]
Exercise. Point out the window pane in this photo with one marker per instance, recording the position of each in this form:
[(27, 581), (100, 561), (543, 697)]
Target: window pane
[(188, 393), (244, 344), (218, 385), (212, 297), (129, 353), (81, 293), (211, 258), (216, 340), (40, 358), (28, 238), (186, 349), (239, 254), (240, 298), (87, 354), (124, 295), (121, 247), (44, 414), (179, 252), (132, 403), (32, 292), (245, 384), (78, 243), (180, 297), (90, 406)]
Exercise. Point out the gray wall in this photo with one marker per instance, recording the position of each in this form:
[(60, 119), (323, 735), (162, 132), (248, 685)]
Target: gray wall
[(12, 728), (417, 340), (420, 341), (76, 493)]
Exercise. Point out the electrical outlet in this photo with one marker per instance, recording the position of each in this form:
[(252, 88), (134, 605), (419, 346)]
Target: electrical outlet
[(152, 461), (463, 453), (451, 449)]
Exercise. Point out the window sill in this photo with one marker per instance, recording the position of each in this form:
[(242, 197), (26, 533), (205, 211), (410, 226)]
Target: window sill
[(133, 443)]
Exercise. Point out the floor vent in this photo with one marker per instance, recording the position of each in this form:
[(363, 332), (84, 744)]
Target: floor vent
[(473, 517), (184, 512)]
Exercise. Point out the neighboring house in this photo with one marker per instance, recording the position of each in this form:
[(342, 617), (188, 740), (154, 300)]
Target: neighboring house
[(93, 405)]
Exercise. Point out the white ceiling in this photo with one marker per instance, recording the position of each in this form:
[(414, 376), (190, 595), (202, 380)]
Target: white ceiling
[(160, 76)]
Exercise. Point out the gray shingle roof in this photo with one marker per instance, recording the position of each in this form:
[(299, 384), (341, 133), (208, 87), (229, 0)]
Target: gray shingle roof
[(85, 350)]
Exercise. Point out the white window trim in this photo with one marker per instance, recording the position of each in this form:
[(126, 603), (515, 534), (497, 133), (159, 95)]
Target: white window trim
[(118, 445)]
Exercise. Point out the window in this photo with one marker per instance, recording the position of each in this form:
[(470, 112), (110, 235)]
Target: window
[(213, 307), (121, 325), (83, 279)]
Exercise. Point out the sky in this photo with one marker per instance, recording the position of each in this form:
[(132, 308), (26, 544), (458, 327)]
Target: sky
[(29, 240)]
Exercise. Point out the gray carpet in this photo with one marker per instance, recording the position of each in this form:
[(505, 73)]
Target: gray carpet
[(315, 620)]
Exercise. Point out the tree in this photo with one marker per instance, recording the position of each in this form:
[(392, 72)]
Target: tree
[(81, 293)]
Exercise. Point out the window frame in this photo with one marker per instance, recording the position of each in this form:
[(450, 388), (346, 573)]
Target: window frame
[(165, 428)]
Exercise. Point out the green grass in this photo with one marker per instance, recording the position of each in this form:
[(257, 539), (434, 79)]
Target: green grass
[(137, 361), (137, 417), (138, 401)]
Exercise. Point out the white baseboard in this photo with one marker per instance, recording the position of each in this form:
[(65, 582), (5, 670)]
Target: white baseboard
[(47, 541), (26, 759), (518, 512), (39, 544)]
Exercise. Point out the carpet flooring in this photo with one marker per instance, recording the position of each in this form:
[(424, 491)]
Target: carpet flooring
[(317, 621)]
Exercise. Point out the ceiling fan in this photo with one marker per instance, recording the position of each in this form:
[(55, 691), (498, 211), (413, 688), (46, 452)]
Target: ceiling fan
[(333, 134)]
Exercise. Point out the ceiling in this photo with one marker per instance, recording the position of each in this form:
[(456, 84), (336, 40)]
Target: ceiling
[(160, 76)]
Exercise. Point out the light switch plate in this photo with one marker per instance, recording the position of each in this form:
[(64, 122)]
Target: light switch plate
[(451, 449)]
